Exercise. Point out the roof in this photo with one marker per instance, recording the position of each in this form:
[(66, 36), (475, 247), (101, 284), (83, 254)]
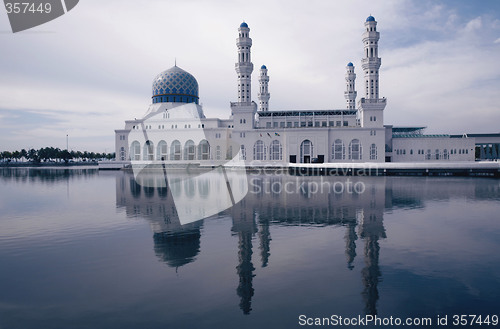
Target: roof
[(407, 129), (476, 135), (421, 136), (296, 113)]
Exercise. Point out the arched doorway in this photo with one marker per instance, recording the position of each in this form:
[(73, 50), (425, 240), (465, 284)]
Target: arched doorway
[(306, 151)]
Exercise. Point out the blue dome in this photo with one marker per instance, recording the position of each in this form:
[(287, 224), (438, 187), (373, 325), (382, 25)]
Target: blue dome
[(175, 85), (263, 67), (370, 19), (243, 24), (350, 64)]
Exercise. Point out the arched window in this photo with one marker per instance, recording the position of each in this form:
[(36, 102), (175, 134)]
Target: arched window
[(229, 152), (355, 150), (276, 152), (338, 150), (175, 150), (135, 151), (306, 151), (373, 152), (217, 152), (258, 150), (445, 154), (243, 153), (189, 150), (437, 154), (204, 150), (122, 154), (161, 151), (148, 153)]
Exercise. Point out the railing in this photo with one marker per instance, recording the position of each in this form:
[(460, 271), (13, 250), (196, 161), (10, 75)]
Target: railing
[(373, 100)]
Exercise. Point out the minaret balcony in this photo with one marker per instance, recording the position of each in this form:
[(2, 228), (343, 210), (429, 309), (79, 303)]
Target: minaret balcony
[(371, 60), (372, 100), (244, 65), (244, 42)]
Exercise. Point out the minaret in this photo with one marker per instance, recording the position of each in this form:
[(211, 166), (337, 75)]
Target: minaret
[(264, 89), (243, 111), (350, 93), (371, 106), (371, 62), (244, 66)]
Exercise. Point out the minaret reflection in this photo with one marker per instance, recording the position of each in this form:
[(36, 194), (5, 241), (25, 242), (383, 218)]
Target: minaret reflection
[(245, 227), (265, 242), (371, 230), (350, 244)]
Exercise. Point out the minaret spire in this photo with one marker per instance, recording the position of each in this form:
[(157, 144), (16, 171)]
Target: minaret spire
[(350, 93), (244, 66), (264, 89), (371, 62)]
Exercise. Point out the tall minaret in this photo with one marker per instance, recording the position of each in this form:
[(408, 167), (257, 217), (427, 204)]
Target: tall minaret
[(350, 93), (264, 89), (244, 66), (371, 62), (371, 106)]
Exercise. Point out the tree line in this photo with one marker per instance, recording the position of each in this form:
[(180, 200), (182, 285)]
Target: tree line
[(46, 154)]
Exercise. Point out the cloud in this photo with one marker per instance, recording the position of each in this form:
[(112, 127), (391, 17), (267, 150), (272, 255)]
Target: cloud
[(95, 68), (474, 24)]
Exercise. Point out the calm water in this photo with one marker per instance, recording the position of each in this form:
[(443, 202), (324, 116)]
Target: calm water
[(81, 248)]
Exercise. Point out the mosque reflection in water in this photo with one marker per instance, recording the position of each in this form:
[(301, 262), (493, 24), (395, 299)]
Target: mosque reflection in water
[(313, 201)]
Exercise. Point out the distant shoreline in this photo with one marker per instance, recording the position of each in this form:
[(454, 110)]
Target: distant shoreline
[(46, 164)]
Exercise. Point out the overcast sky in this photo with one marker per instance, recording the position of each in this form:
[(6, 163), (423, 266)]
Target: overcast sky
[(86, 72)]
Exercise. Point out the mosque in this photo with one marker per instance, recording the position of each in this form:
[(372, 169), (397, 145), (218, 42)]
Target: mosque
[(175, 129)]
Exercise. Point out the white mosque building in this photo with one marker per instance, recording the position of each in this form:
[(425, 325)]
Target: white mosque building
[(175, 129)]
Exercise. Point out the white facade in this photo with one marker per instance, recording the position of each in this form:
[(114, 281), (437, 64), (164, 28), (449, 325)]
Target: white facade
[(433, 149), (175, 129)]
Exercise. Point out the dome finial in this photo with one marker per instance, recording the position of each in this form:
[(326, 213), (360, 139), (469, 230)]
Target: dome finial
[(175, 61)]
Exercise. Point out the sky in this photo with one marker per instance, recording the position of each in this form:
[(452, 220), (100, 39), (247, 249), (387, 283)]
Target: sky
[(82, 75)]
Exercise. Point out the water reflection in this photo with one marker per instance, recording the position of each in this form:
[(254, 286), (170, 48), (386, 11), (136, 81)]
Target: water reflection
[(356, 204), (273, 200), (401, 246), (46, 175), (244, 226)]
